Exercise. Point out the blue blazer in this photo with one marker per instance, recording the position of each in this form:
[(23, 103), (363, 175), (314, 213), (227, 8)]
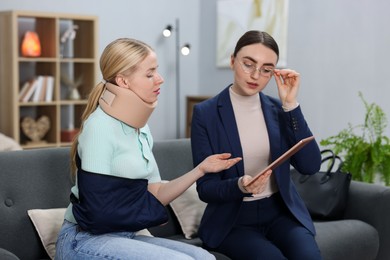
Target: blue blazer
[(214, 130)]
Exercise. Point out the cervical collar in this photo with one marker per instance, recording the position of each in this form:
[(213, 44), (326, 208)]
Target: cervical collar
[(124, 105)]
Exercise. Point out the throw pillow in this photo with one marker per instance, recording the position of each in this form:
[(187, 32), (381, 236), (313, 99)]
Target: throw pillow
[(8, 144), (189, 209), (48, 223), (144, 232)]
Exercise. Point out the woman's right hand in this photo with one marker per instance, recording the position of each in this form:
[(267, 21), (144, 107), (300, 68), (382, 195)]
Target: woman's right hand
[(165, 192), (259, 185), (217, 163)]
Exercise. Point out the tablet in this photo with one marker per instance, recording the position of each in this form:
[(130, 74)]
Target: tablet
[(284, 157)]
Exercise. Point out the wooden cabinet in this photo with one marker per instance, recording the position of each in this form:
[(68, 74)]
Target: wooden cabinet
[(68, 56)]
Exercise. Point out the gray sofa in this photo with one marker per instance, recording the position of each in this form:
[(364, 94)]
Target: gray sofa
[(39, 179)]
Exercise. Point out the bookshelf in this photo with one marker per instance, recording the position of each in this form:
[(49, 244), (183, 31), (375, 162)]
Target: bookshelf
[(70, 60)]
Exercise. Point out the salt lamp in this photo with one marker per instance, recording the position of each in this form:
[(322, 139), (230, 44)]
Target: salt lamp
[(31, 46)]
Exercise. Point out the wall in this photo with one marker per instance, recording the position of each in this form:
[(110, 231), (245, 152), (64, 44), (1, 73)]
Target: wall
[(339, 47)]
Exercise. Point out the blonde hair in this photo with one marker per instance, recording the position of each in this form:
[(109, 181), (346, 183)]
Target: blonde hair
[(119, 57)]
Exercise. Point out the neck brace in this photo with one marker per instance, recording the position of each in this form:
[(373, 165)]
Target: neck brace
[(124, 105)]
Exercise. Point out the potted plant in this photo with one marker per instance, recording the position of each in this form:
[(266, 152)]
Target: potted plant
[(366, 155)]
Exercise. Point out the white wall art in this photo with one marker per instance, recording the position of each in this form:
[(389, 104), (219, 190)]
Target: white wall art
[(235, 17)]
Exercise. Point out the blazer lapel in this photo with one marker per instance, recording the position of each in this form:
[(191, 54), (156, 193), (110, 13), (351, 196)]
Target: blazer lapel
[(226, 113), (272, 122)]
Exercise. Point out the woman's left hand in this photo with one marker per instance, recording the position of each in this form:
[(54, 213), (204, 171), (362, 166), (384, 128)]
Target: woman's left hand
[(259, 185), (288, 84), (218, 162)]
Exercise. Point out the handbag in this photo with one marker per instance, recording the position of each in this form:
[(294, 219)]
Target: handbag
[(325, 193)]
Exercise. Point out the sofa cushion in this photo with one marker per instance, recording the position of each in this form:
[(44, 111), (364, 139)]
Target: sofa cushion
[(6, 255), (189, 209), (193, 241), (197, 242), (347, 239), (48, 223)]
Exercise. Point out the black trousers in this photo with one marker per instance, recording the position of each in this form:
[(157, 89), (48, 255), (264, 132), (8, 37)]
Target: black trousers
[(265, 229)]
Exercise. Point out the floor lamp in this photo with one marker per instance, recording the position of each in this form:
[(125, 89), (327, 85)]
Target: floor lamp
[(183, 50)]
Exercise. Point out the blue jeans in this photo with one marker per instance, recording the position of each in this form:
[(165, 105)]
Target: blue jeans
[(74, 243)]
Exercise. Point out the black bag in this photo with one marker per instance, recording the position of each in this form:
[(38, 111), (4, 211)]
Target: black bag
[(325, 193)]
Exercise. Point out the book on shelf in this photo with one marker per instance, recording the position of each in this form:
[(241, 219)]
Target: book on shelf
[(30, 88), (24, 89), (37, 90), (49, 88), (42, 93)]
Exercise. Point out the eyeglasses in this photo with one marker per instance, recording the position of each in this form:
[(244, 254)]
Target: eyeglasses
[(250, 68)]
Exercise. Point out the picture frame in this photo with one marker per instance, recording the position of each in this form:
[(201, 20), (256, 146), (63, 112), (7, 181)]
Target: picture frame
[(191, 102)]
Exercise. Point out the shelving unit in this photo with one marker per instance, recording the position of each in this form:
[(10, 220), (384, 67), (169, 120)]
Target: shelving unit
[(71, 59)]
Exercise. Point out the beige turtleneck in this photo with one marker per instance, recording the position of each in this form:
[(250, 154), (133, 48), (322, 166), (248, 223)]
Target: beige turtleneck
[(253, 137)]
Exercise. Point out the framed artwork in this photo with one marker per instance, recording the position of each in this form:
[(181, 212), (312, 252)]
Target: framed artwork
[(235, 17), (191, 102)]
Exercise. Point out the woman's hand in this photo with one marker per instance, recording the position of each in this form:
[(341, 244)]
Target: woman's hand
[(168, 191), (217, 163), (288, 84), (259, 185)]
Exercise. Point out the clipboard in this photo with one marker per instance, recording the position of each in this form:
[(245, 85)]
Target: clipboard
[(298, 146)]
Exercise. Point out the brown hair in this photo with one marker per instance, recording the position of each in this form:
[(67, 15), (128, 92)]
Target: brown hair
[(252, 37), (120, 56)]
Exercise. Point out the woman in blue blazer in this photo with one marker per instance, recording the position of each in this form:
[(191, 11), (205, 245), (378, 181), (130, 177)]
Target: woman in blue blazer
[(266, 219)]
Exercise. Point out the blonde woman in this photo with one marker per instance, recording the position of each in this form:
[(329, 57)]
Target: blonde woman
[(118, 189)]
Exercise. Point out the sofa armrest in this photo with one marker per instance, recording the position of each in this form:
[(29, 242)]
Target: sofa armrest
[(371, 203)]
